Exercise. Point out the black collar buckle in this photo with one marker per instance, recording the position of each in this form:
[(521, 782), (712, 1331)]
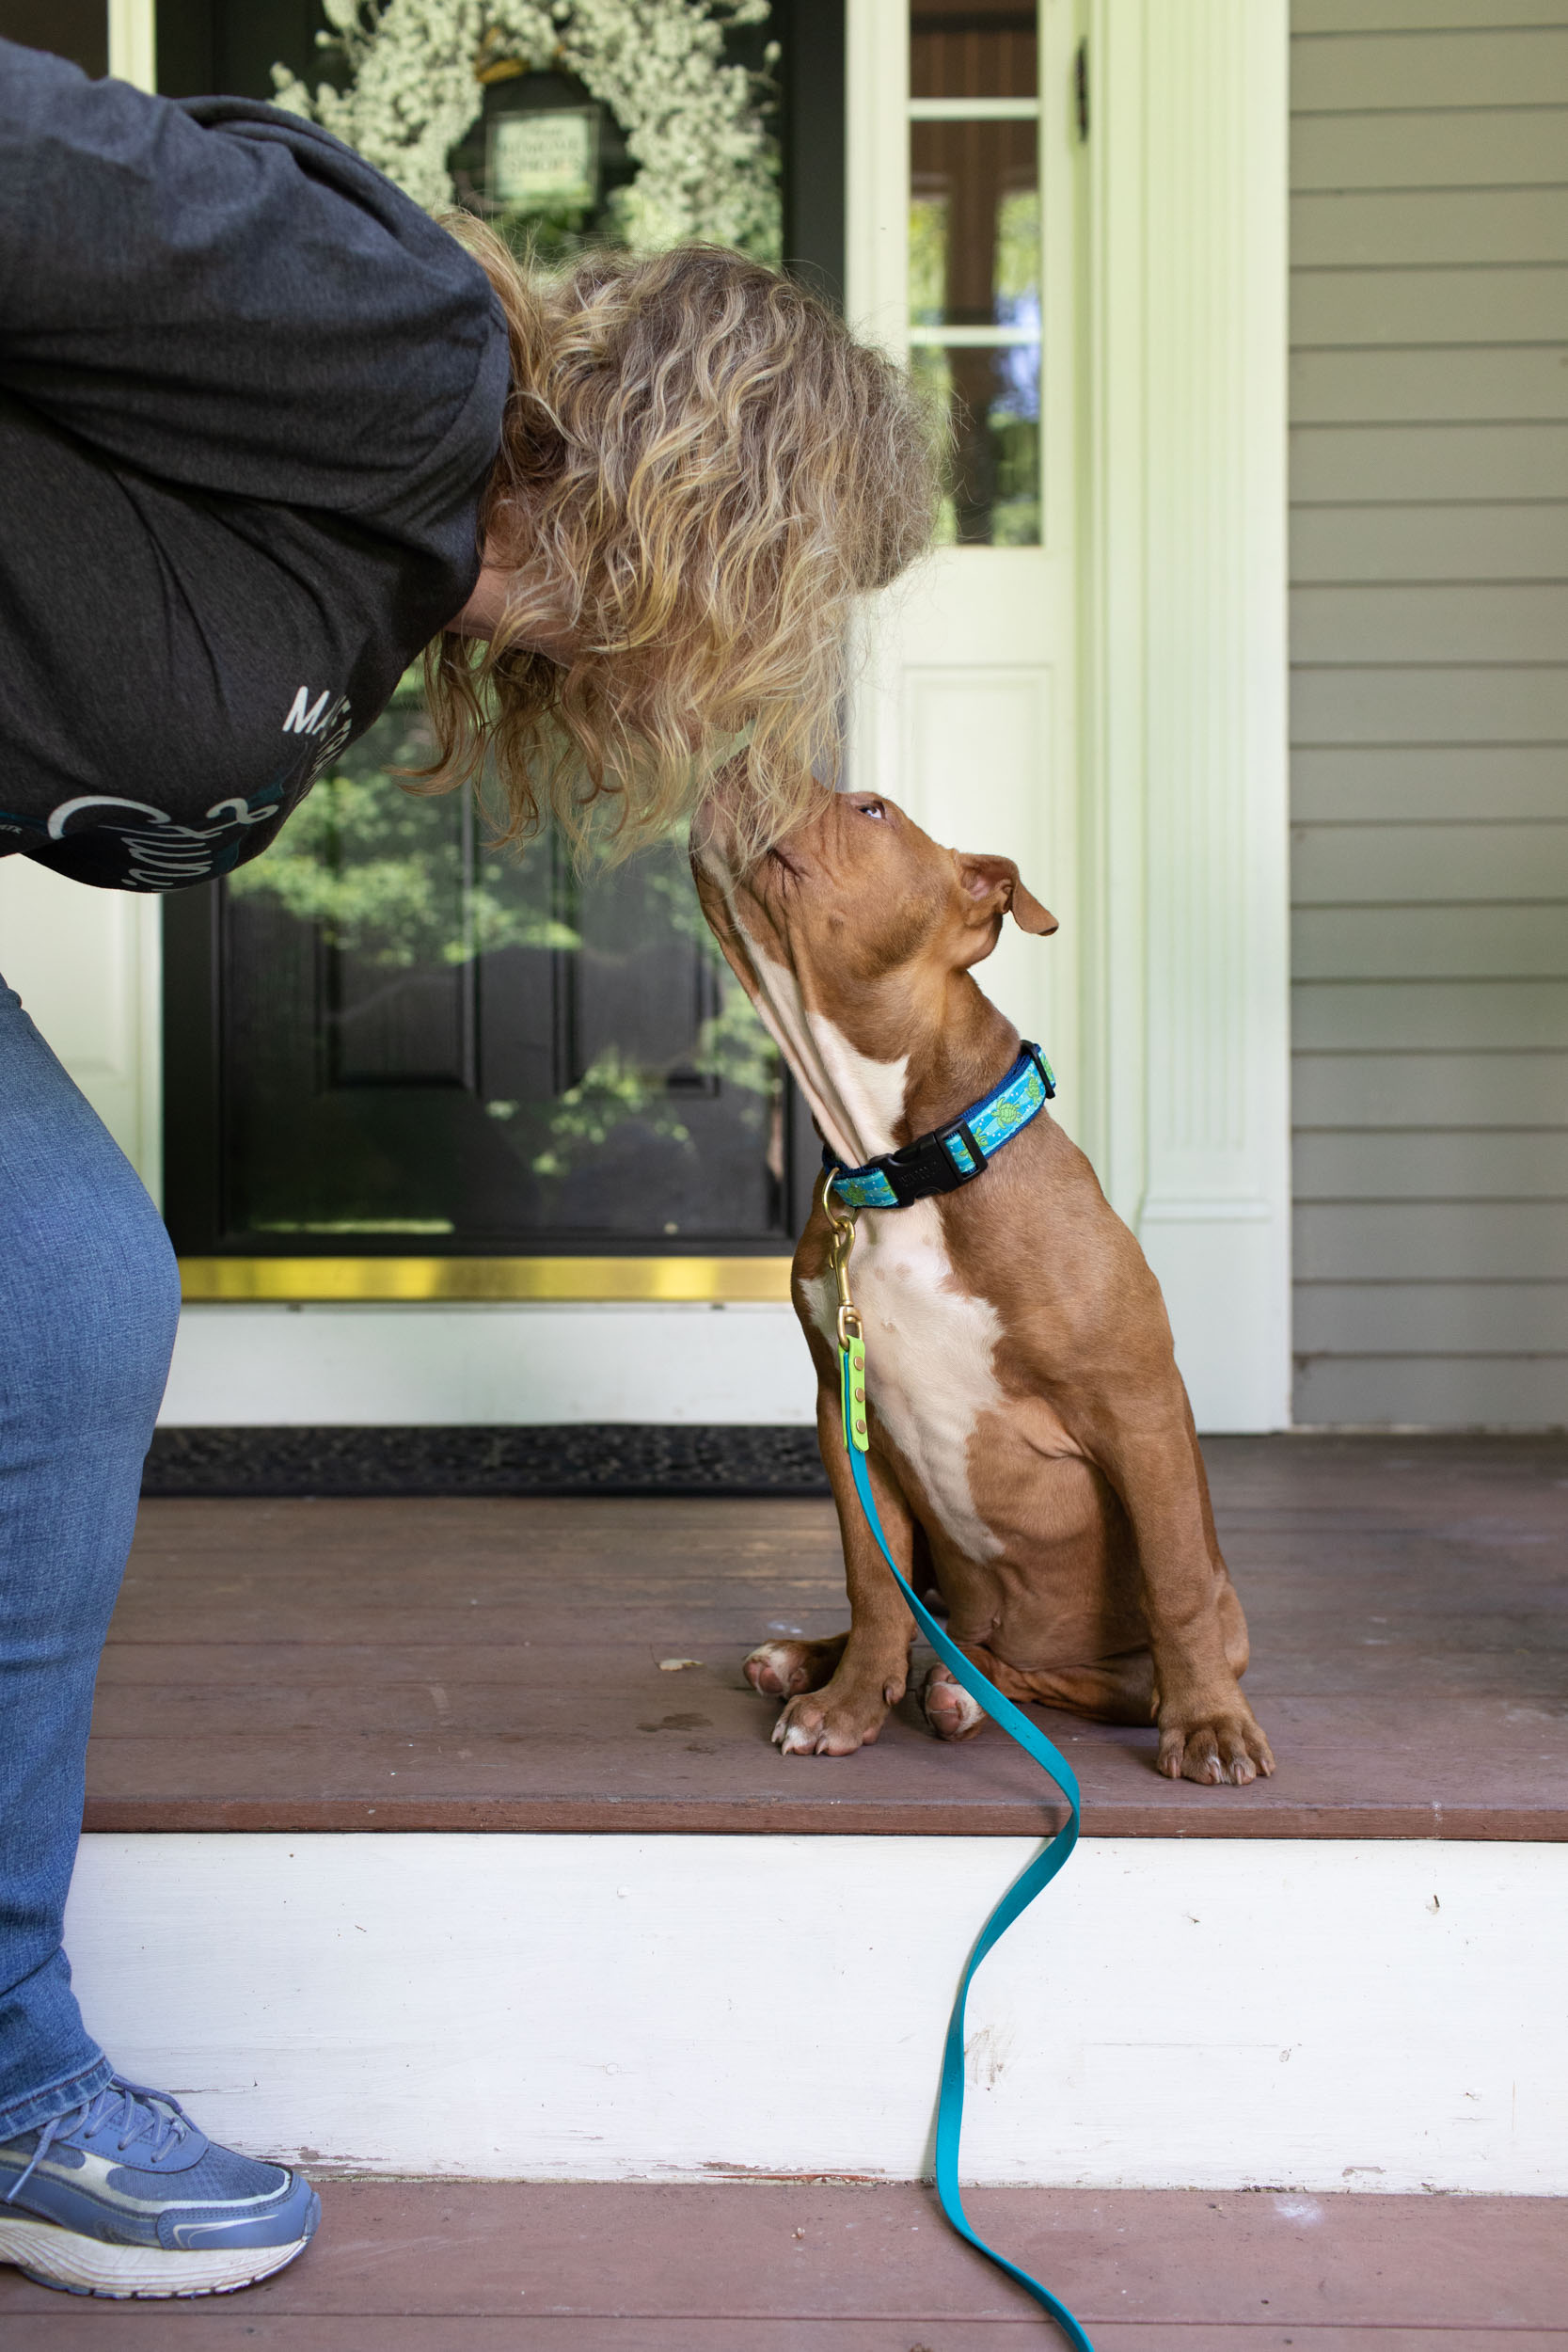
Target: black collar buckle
[(919, 1169)]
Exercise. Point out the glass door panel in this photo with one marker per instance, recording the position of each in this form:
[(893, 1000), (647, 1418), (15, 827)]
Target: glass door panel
[(975, 259), (423, 1037), (399, 1038)]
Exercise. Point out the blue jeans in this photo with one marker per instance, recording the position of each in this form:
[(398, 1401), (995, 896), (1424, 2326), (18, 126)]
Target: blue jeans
[(89, 1301)]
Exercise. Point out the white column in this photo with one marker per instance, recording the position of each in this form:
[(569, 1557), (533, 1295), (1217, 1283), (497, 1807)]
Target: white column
[(1185, 786), (133, 42), (88, 965)]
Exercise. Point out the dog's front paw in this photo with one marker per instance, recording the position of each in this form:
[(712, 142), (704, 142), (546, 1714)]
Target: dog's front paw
[(830, 1723), (1214, 1745), (779, 1669)]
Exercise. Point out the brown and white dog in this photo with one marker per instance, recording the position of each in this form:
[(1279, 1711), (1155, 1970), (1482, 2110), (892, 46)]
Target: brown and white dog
[(1032, 1452)]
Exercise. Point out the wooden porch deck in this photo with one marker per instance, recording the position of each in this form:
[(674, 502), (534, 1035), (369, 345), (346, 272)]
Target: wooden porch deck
[(432, 2266), (495, 1663)]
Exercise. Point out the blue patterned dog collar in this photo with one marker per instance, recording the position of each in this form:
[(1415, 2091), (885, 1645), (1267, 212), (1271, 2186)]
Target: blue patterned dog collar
[(952, 1155)]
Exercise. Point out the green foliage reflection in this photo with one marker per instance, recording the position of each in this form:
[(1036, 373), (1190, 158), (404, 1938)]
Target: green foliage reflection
[(394, 881)]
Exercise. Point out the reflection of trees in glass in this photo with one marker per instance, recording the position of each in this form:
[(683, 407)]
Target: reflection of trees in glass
[(992, 491), (974, 266), (1015, 269), (1017, 258), (928, 260), (398, 883), (388, 876), (732, 1047)]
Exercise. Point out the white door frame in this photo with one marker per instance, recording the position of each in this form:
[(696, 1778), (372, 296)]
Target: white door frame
[(1181, 889), (1186, 778)]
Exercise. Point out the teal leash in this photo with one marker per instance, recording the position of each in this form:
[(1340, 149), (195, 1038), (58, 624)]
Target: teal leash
[(1036, 1875)]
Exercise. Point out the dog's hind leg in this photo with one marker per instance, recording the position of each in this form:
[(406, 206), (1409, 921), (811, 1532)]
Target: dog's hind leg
[(947, 1706), (923, 1574), (949, 1711), (1116, 1691), (779, 1669)]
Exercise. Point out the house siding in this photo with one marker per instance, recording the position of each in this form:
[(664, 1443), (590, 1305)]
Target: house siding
[(1429, 487)]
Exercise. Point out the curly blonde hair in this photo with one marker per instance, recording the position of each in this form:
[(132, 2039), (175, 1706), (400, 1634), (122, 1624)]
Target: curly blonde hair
[(699, 471)]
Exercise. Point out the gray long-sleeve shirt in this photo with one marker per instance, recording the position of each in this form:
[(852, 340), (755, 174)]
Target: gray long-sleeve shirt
[(249, 398)]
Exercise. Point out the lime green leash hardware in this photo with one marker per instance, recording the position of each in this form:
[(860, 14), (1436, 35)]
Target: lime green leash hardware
[(1035, 1875)]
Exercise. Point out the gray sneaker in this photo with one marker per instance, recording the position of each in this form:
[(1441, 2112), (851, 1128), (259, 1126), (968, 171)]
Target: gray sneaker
[(125, 2197)]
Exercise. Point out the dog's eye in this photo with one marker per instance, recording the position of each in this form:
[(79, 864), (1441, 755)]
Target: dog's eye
[(873, 808)]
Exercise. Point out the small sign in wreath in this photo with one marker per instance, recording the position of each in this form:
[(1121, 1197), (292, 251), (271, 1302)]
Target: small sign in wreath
[(692, 121)]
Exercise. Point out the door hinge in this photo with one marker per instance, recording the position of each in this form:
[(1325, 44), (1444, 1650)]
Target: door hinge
[(1081, 88)]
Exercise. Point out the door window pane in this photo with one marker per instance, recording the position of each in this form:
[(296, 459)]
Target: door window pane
[(973, 49), (974, 225), (974, 260), (991, 396)]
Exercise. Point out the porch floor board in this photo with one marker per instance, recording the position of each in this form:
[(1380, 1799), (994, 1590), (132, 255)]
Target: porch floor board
[(772, 2267), (495, 1664)]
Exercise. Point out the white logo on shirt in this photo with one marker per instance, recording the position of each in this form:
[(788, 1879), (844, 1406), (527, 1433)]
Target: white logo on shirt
[(305, 717), (163, 855)]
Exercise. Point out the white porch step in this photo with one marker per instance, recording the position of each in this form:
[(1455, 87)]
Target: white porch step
[(1373, 2014)]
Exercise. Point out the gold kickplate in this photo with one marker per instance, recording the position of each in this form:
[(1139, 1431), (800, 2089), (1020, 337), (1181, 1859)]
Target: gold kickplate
[(293, 1281)]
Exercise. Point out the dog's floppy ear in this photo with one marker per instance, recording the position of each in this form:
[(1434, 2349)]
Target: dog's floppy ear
[(994, 885)]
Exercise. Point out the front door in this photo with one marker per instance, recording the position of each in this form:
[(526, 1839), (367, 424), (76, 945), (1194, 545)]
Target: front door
[(388, 1041), (961, 195)]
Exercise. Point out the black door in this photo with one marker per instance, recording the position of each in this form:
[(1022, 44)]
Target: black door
[(384, 1036)]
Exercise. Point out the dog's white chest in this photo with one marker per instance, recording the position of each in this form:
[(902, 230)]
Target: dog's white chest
[(930, 1351)]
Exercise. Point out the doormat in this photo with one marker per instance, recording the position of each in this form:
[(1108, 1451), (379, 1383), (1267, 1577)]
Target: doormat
[(568, 1459)]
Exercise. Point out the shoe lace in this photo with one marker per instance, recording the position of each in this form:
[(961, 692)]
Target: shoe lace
[(140, 2114)]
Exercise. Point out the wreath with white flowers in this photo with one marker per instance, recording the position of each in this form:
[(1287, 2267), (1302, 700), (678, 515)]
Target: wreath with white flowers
[(691, 122)]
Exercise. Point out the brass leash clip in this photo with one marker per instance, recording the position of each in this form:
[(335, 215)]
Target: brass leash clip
[(843, 1223), (851, 1335)]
